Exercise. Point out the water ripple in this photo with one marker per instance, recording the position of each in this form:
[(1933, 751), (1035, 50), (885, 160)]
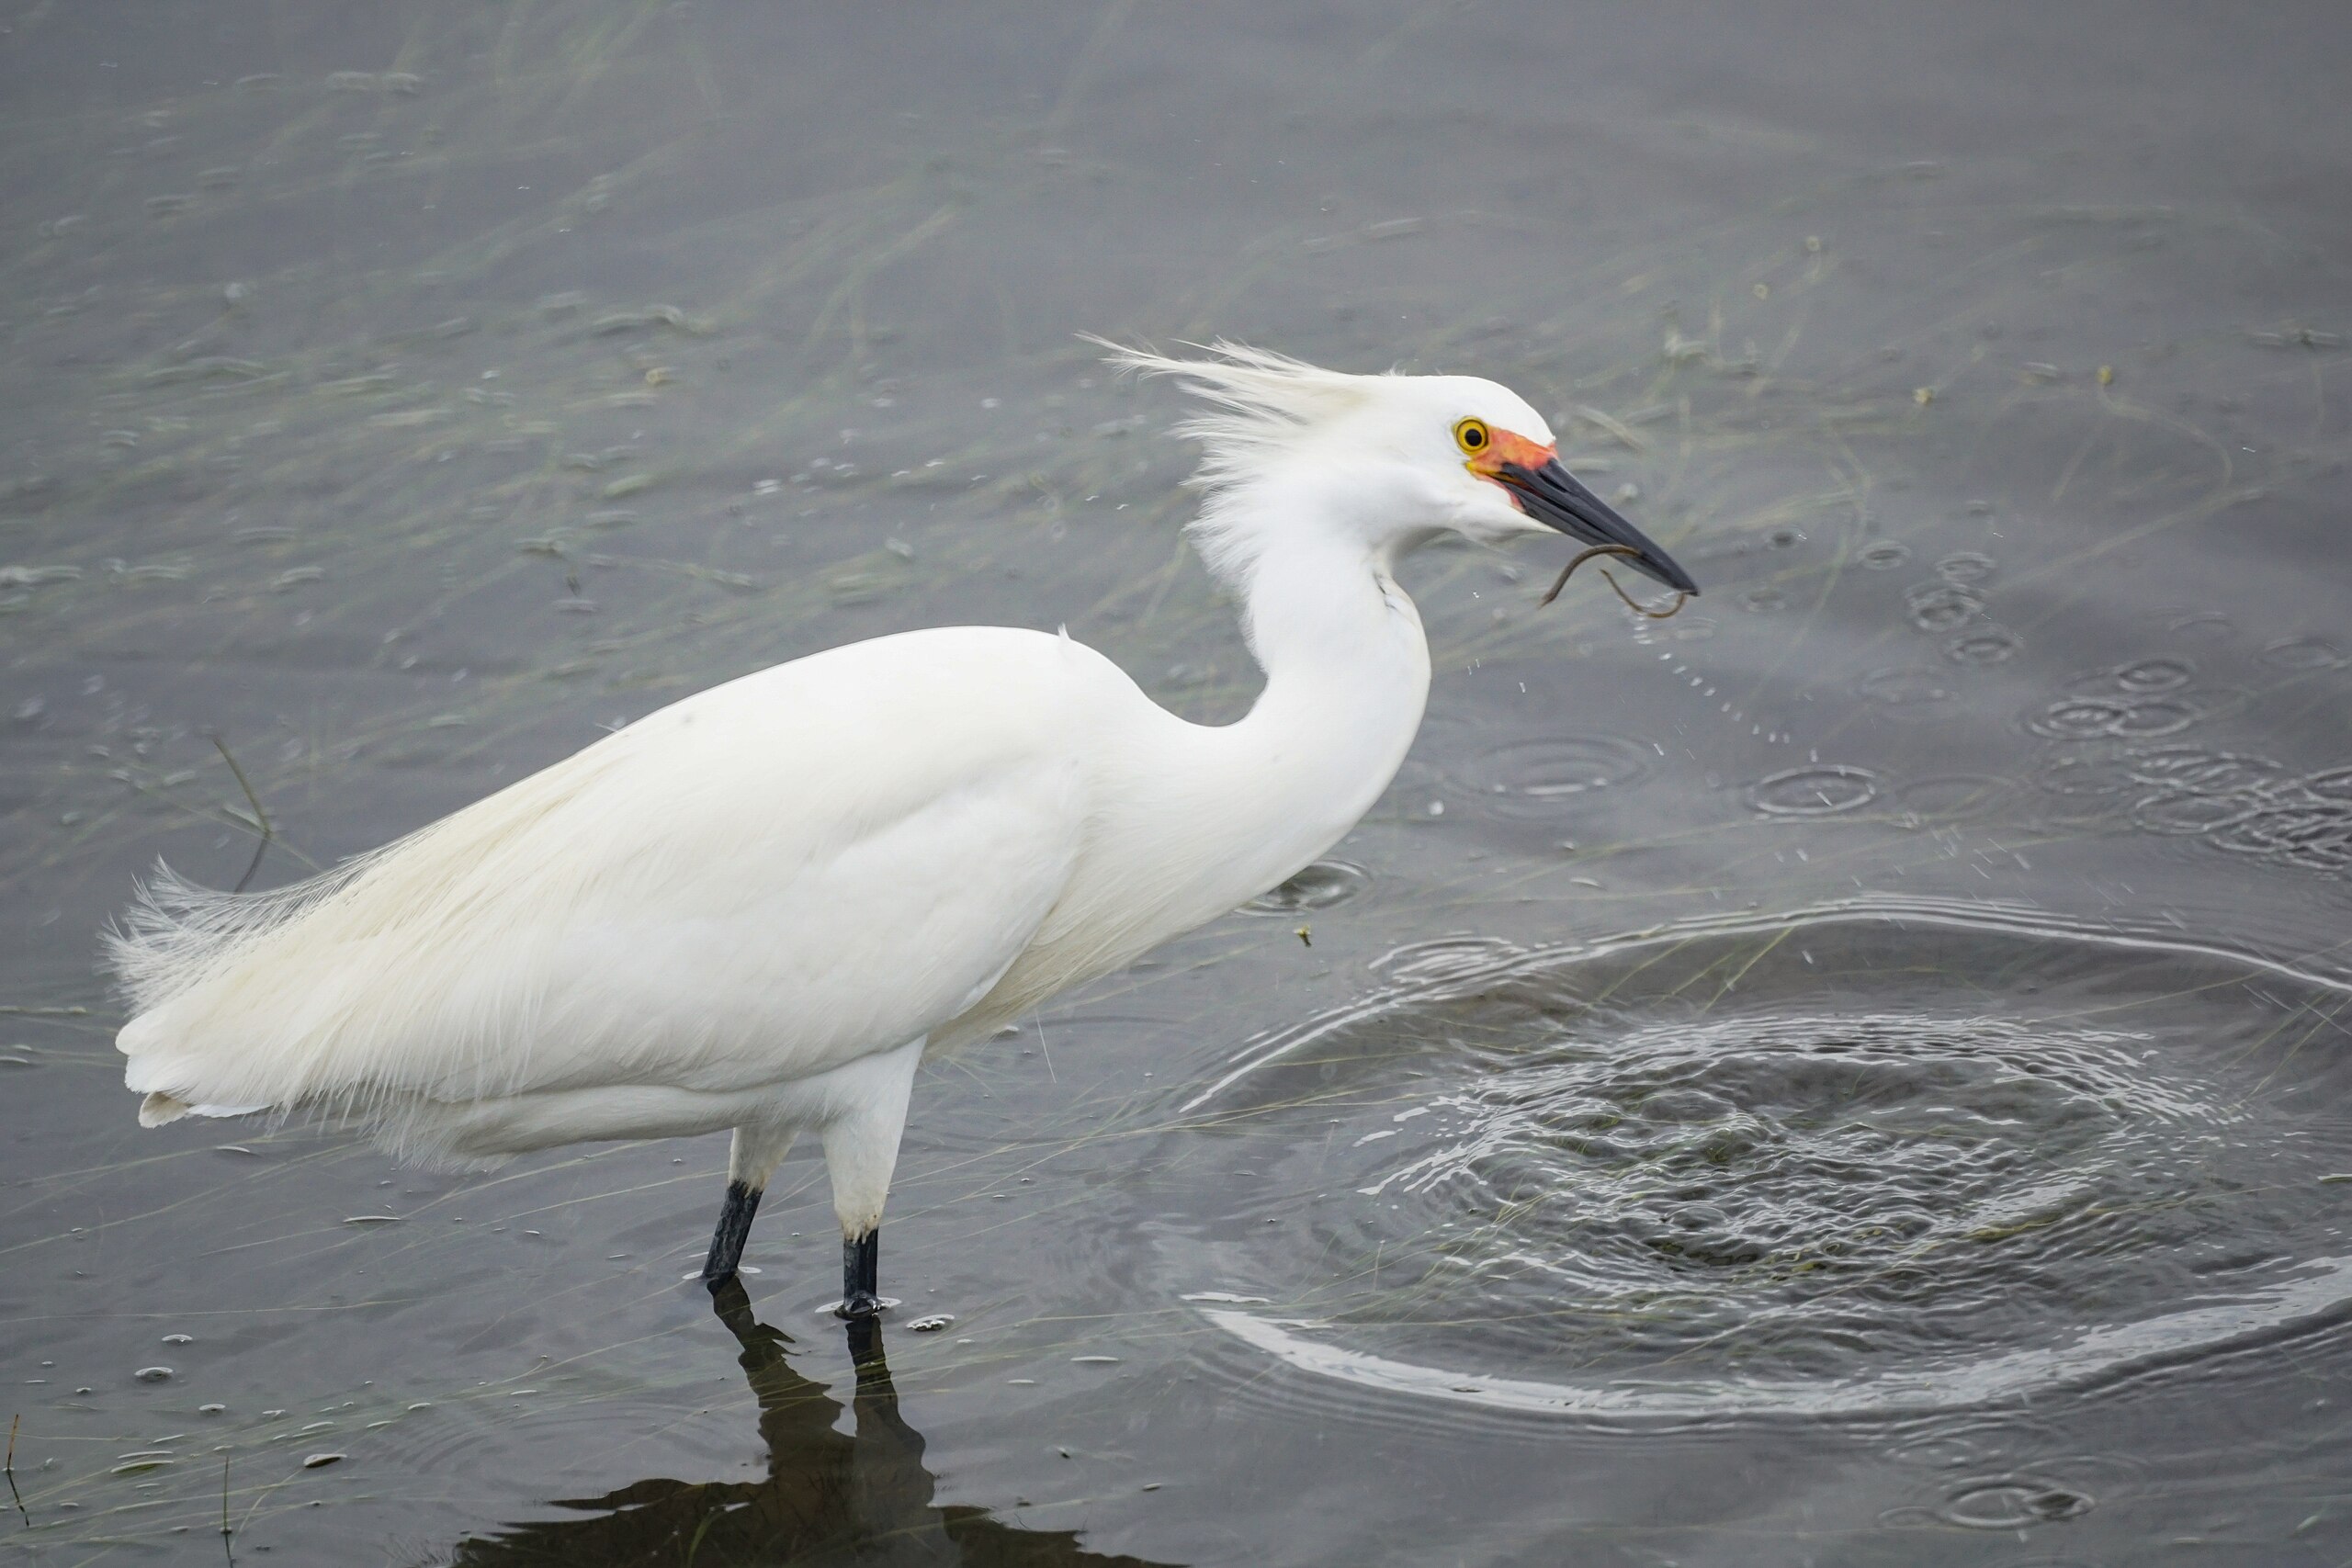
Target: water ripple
[(1320, 886), (1823, 790), (1866, 1161), (1533, 779)]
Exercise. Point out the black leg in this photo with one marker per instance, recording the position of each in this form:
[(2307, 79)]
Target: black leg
[(734, 1229), (861, 1276)]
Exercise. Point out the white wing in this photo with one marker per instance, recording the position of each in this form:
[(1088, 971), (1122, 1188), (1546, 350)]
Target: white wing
[(768, 879)]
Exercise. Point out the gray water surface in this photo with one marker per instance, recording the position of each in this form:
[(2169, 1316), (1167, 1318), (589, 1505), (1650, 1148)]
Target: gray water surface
[(1855, 1073)]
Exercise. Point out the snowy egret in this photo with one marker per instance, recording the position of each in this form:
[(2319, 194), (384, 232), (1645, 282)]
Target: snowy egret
[(758, 907)]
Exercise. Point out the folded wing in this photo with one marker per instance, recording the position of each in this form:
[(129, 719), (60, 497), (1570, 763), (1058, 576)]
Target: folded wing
[(776, 876)]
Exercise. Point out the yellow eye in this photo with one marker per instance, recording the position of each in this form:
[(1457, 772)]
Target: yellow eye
[(1472, 435)]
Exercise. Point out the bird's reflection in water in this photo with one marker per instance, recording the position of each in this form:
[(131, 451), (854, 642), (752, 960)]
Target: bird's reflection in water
[(862, 1497)]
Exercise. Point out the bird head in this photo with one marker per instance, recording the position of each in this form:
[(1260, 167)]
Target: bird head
[(1399, 461)]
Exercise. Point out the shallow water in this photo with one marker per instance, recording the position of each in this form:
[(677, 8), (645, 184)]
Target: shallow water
[(1854, 1073)]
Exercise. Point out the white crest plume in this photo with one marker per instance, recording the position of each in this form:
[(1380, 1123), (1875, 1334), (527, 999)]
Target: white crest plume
[(1264, 405)]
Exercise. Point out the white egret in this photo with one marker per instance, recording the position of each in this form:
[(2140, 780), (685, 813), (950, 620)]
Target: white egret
[(758, 909)]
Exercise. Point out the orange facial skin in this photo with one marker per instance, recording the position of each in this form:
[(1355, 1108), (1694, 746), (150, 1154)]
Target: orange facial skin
[(1505, 446)]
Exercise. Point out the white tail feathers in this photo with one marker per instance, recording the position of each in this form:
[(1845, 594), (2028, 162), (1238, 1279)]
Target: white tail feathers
[(174, 937), (177, 934)]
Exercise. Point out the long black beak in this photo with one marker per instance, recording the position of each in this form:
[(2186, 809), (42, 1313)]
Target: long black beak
[(1552, 494)]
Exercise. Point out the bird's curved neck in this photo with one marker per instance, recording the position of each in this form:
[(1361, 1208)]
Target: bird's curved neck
[(1346, 672)]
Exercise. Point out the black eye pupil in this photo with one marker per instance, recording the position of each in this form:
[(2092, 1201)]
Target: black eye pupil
[(1474, 436)]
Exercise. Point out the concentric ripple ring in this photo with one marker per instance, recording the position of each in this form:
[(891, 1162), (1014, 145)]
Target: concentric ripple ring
[(1865, 1159)]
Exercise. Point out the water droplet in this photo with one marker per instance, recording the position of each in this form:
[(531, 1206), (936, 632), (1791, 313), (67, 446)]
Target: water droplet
[(2312, 836), (2183, 813), (1822, 790), (1443, 956), (1537, 778), (2306, 653), (2145, 675), (2010, 1503), (1883, 556), (2200, 771), (1906, 689), (1320, 886), (1940, 606), (1982, 645), (2092, 718)]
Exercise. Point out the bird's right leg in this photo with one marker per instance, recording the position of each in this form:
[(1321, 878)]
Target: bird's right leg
[(861, 1149), (751, 1160)]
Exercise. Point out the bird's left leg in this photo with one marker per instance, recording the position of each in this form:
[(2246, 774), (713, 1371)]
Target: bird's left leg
[(758, 1149), (861, 1151)]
